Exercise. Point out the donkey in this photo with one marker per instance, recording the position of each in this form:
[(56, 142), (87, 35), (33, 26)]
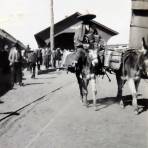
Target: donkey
[(86, 70), (133, 68)]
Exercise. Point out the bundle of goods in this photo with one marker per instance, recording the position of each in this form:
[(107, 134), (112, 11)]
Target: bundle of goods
[(112, 59)]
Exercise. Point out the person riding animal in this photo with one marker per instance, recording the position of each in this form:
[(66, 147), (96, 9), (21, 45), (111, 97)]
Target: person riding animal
[(87, 37)]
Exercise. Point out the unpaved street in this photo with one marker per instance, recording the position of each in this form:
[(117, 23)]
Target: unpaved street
[(57, 119)]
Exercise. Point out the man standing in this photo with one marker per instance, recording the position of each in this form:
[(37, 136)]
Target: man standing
[(58, 57), (32, 60), (39, 59), (15, 59), (54, 58)]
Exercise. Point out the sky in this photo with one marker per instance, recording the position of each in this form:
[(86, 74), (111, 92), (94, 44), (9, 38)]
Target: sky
[(24, 18)]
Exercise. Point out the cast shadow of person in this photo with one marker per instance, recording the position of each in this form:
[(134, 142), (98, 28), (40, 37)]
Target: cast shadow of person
[(103, 103), (107, 101)]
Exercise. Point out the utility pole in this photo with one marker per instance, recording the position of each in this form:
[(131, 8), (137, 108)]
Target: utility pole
[(51, 26)]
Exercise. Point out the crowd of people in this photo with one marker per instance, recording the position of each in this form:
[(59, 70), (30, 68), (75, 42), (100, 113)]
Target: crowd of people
[(37, 59), (43, 57), (13, 60)]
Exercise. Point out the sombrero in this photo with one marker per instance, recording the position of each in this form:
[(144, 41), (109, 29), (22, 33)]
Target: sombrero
[(86, 17)]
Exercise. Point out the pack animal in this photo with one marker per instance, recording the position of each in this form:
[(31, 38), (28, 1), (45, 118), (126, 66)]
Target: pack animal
[(86, 70), (133, 68)]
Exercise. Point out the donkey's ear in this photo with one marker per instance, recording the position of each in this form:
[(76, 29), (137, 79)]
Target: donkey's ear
[(144, 47)]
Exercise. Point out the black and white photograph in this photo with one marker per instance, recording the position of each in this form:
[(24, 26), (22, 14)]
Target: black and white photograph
[(73, 73)]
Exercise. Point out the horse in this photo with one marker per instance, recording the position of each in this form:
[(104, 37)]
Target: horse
[(134, 67)]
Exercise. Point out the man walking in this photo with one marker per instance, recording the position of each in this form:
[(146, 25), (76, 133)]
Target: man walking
[(32, 60), (39, 58)]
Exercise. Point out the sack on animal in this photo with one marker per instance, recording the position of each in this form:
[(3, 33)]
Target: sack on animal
[(67, 61), (112, 59)]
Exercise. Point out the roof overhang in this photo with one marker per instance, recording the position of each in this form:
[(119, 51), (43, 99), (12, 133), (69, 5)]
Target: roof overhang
[(9, 39), (43, 37)]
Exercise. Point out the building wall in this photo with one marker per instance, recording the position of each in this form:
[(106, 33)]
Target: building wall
[(139, 24), (103, 34), (72, 30)]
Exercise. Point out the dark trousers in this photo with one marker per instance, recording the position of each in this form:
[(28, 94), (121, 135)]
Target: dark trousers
[(39, 62), (16, 70), (54, 62), (80, 51), (33, 68)]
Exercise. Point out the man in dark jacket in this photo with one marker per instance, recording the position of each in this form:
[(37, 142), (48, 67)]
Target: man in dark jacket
[(84, 35), (39, 58), (32, 60), (87, 37)]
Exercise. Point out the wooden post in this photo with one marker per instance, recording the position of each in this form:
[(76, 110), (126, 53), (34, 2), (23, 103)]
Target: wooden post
[(51, 26)]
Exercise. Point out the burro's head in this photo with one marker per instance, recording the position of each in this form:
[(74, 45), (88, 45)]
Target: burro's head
[(93, 55), (144, 59)]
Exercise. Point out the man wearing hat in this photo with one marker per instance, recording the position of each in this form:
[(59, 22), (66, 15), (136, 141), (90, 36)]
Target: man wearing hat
[(15, 59), (85, 36)]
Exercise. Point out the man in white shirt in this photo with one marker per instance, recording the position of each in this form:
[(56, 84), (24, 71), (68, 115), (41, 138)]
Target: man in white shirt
[(15, 59)]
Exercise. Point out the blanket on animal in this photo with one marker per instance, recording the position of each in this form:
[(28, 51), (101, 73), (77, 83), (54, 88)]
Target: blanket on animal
[(69, 65)]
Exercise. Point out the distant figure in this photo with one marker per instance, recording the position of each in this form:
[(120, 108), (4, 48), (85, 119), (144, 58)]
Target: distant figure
[(47, 58), (15, 59), (54, 59), (33, 60), (65, 53), (58, 57), (39, 59), (26, 55), (4, 62), (44, 56)]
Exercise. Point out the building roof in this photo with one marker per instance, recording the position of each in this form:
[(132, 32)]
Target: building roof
[(9, 39), (63, 25)]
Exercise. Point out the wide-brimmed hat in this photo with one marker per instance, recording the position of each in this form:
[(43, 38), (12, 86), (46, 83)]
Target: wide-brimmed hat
[(86, 17)]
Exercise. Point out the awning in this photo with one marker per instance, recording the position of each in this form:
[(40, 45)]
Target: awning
[(8, 39), (7, 36)]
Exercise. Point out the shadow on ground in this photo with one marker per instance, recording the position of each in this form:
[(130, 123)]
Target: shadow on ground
[(46, 78), (107, 101), (27, 84), (46, 71), (104, 102)]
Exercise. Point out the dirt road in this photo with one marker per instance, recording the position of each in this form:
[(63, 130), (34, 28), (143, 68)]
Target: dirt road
[(58, 119)]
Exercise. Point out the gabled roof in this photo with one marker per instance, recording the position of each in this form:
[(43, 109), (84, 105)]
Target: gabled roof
[(64, 24)]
